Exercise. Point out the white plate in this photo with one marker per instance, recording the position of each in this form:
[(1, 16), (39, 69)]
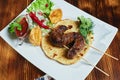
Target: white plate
[(103, 36)]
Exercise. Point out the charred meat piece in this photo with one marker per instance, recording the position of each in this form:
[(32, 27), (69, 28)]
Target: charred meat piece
[(59, 38), (77, 46), (56, 35), (78, 43), (68, 38)]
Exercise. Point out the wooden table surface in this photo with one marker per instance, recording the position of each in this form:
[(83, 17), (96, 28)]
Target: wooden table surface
[(15, 67)]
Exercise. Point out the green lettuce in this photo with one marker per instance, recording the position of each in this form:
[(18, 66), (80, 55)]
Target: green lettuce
[(85, 26), (14, 25), (41, 5)]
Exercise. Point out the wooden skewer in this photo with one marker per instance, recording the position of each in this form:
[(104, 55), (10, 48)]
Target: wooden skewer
[(96, 67), (105, 53), (100, 52), (66, 47), (91, 64)]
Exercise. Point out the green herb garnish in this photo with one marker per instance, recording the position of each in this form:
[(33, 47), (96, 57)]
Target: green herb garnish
[(85, 27), (14, 25)]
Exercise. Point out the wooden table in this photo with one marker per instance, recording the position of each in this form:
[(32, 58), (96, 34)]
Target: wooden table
[(15, 67)]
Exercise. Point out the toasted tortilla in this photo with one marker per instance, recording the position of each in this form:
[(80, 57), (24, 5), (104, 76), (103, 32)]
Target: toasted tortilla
[(58, 54), (55, 15), (35, 36)]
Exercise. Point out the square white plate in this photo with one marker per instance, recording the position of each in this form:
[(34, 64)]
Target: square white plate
[(103, 36)]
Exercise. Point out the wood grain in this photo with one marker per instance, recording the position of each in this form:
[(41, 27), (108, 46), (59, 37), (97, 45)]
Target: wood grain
[(15, 67)]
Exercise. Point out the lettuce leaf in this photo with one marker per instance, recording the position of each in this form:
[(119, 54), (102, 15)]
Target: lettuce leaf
[(85, 26), (41, 5), (14, 25)]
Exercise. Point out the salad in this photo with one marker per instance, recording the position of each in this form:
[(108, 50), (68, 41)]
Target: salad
[(37, 14)]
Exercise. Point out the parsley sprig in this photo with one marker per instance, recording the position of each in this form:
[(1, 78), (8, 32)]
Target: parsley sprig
[(85, 27)]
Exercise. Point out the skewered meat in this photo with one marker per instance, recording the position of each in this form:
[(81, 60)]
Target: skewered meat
[(56, 35), (59, 39), (77, 46)]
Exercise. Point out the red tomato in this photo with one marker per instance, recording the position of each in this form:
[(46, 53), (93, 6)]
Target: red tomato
[(24, 25)]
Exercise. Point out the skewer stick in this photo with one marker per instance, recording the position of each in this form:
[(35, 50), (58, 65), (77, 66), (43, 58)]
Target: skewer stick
[(96, 67), (66, 47), (105, 53), (91, 64)]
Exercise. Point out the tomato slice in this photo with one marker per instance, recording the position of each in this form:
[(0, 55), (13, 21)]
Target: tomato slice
[(24, 25)]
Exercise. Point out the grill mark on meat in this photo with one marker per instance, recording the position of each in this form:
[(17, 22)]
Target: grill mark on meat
[(59, 38)]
